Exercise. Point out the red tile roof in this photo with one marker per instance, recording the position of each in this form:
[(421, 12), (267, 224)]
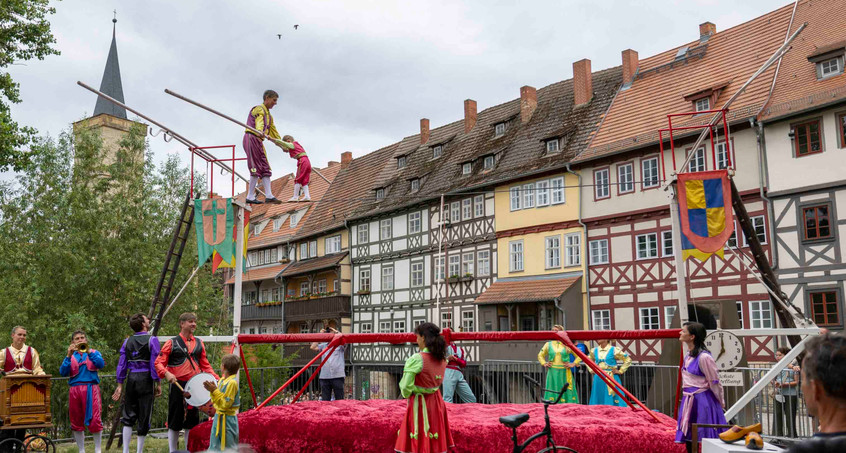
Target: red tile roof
[(797, 88), (538, 290), (662, 83), (259, 274)]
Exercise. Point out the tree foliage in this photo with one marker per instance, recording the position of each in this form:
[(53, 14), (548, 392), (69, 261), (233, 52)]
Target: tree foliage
[(24, 34)]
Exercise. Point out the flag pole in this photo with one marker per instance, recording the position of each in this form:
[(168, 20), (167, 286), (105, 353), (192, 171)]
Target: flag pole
[(225, 116), (239, 266)]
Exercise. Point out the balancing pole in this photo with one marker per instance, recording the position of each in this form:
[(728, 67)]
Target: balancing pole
[(222, 115)]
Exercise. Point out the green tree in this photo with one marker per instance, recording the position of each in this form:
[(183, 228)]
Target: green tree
[(24, 34)]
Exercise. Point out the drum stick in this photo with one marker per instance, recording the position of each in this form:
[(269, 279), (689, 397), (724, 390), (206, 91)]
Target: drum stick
[(179, 386)]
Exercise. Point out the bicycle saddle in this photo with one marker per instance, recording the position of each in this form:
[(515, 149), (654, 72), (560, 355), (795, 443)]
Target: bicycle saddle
[(513, 421)]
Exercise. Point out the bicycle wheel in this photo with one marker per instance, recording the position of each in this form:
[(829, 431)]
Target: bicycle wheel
[(557, 448)]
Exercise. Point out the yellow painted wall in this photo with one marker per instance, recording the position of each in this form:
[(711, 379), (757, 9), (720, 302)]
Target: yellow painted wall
[(534, 254), (506, 219)]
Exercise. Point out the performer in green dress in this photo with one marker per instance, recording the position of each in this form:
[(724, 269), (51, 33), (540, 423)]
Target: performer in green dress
[(555, 357)]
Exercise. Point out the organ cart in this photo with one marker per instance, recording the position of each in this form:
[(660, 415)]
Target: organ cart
[(25, 404)]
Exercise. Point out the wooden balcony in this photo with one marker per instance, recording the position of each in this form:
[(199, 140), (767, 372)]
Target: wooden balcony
[(300, 310)]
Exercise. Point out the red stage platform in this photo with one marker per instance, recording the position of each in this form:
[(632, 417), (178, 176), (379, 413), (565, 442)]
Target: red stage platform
[(371, 426)]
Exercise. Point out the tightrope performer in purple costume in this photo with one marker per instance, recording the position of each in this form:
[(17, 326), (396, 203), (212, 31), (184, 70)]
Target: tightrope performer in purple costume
[(81, 364), (702, 400), (260, 120)]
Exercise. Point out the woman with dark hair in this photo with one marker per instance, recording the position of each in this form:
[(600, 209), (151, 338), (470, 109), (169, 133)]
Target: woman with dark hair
[(425, 428), (702, 400)]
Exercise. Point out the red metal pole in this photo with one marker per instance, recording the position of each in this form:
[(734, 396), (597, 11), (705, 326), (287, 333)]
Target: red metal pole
[(322, 362), (728, 141), (713, 148), (661, 156), (672, 144), (233, 173), (679, 383), (247, 373), (192, 172), (288, 382)]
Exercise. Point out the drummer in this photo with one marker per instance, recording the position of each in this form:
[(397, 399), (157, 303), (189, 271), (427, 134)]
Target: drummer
[(181, 358)]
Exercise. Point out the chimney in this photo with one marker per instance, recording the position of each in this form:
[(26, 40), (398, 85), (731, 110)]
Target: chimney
[(424, 130), (582, 82), (705, 30), (528, 103), (332, 163), (346, 158), (469, 115), (630, 63)]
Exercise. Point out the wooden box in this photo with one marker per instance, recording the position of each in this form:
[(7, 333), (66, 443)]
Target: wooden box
[(24, 401)]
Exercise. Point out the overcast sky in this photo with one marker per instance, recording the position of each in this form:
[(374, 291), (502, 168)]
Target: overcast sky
[(355, 76)]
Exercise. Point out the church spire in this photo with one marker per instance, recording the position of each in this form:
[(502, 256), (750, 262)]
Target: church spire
[(111, 84)]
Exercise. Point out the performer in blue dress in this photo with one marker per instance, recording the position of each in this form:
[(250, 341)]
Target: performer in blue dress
[(614, 362)]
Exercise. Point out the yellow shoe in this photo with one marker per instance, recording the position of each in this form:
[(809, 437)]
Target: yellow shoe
[(754, 441), (736, 433)]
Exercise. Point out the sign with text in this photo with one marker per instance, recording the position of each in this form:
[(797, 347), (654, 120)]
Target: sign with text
[(731, 378)]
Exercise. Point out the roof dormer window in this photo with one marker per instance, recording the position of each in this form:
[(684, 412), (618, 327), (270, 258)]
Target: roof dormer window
[(415, 184), (552, 146), (702, 104), (437, 150), (380, 193), (500, 128), (466, 168), (488, 163), (401, 162), (830, 67)]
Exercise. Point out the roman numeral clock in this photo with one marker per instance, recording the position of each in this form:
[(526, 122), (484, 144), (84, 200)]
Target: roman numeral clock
[(726, 348)]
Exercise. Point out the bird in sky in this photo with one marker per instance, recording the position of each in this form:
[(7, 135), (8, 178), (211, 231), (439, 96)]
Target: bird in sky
[(279, 35), (296, 27)]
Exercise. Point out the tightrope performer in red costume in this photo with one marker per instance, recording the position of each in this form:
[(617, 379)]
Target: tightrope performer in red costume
[(425, 428), (296, 151)]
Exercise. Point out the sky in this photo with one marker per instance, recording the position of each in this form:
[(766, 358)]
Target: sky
[(354, 76)]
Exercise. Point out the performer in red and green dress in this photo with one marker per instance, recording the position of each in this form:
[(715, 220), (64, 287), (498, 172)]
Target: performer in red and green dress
[(425, 428)]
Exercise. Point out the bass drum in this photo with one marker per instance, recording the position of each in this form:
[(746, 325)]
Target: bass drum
[(200, 397)]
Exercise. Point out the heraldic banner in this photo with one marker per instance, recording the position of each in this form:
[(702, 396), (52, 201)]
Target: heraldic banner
[(707, 219), (217, 259), (214, 220)]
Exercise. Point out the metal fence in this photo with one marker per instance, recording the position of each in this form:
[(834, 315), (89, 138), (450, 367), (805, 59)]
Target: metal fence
[(494, 381)]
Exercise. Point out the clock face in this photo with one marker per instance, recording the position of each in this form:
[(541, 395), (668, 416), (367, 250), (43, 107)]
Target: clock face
[(726, 349)]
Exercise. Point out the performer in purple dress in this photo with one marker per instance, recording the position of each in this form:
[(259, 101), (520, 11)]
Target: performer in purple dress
[(702, 400), (260, 120)]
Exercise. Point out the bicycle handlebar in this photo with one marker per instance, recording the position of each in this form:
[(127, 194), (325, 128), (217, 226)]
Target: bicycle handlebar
[(560, 394)]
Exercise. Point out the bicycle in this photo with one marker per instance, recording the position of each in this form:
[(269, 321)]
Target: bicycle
[(514, 421)]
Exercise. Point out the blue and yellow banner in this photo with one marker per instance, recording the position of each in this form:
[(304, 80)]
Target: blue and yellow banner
[(707, 220)]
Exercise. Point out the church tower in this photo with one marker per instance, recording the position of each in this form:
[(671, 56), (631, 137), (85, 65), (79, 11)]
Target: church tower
[(109, 120)]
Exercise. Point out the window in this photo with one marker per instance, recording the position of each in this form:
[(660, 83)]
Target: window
[(806, 138), (466, 209), (385, 326), (600, 181), (335, 286), (515, 256), (314, 287), (366, 327), (697, 162), (466, 168), (552, 146), (599, 251), (387, 278), (760, 230), (702, 104), (303, 288), (762, 315), (468, 321), (830, 67), (437, 150), (483, 263), (417, 322), (332, 244), (312, 249), (303, 328), (385, 229), (731, 243), (542, 192), (516, 199), (417, 274), (249, 298), (415, 184), (817, 222), (557, 190), (297, 216), (528, 195), (277, 222), (364, 279), (573, 244), (454, 265), (649, 318), (667, 243), (499, 129), (363, 234), (446, 320), (649, 172), (399, 326), (455, 212), (439, 268), (401, 162), (669, 312), (414, 223), (625, 178), (723, 155), (740, 312), (291, 292), (380, 194), (647, 246), (304, 250), (479, 206), (321, 286), (527, 323), (488, 162), (824, 310), (841, 129), (552, 252), (467, 264), (601, 319)]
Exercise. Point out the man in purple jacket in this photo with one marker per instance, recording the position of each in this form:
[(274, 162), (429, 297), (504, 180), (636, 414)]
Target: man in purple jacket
[(136, 371)]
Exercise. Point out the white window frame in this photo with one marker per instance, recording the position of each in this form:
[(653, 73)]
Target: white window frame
[(468, 264), (723, 154), (385, 327), (455, 211), (757, 223), (387, 278), (483, 263), (552, 252), (437, 151), (573, 249), (479, 206), (598, 251), (385, 229), (365, 327), (650, 240), (602, 186), (380, 193), (647, 168), (415, 224), (468, 321), (488, 162), (542, 193), (363, 233), (466, 168), (625, 178), (515, 256), (556, 191), (446, 320), (669, 312), (667, 242), (529, 195), (553, 146), (467, 209), (304, 251), (312, 249), (415, 184), (304, 288), (454, 263), (321, 286), (516, 198), (758, 309), (402, 162), (500, 128), (332, 244), (364, 279), (601, 319), (698, 162), (439, 268), (399, 326), (417, 274), (702, 104), (650, 318), (830, 67), (336, 285)]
